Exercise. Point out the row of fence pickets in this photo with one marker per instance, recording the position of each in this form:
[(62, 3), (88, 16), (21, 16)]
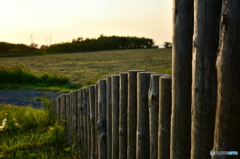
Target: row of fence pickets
[(123, 116)]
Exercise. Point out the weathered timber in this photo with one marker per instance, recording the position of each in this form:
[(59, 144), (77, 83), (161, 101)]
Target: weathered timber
[(92, 119), (227, 127), (164, 119), (109, 118), (153, 103), (142, 143), (123, 101), (102, 138), (115, 116), (96, 120), (181, 79), (132, 109), (84, 107), (204, 75)]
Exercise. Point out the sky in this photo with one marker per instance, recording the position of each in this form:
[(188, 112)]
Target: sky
[(64, 20)]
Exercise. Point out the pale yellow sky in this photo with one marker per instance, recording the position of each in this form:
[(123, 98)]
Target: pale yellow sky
[(68, 19)]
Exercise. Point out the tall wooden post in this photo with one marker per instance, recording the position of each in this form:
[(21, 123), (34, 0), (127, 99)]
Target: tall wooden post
[(164, 119), (56, 103), (96, 120), (115, 116), (181, 82), (132, 109), (153, 103), (204, 81), (80, 122), (102, 136), (123, 100), (68, 119), (143, 147), (228, 74), (92, 119), (109, 118), (85, 146), (88, 125)]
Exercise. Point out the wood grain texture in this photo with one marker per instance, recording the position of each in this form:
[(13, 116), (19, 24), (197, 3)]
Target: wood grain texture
[(109, 117), (181, 79)]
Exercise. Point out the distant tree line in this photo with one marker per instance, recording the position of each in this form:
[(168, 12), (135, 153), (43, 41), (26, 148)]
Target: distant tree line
[(80, 44), (102, 43)]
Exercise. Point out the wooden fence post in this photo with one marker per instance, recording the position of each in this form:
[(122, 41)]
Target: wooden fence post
[(182, 79), (123, 101), (132, 109), (92, 119), (164, 120), (85, 122), (102, 138), (76, 118), (80, 121), (96, 121), (227, 125), (88, 125), (115, 116), (204, 78), (143, 147), (153, 103), (69, 117), (109, 118)]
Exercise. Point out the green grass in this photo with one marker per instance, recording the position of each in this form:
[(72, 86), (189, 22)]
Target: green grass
[(88, 67), (33, 134), (15, 77)]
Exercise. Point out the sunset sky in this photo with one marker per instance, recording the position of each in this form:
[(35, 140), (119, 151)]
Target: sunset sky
[(65, 20)]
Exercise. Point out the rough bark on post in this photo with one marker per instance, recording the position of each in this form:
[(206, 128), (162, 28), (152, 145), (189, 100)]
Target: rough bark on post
[(109, 118), (204, 78), (88, 125), (153, 103), (102, 138), (115, 116), (69, 137), (132, 109), (84, 106), (62, 109), (76, 119), (73, 110), (92, 119), (142, 144), (164, 120), (182, 78), (80, 131), (123, 101), (96, 120), (227, 125)]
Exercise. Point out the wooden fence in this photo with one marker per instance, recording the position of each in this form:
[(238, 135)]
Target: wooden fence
[(122, 116), (144, 115)]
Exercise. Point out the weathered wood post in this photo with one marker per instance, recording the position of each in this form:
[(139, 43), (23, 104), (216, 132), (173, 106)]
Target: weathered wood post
[(80, 122), (143, 147), (181, 79), (153, 103), (61, 109), (123, 101), (68, 119), (84, 106), (204, 78), (73, 109), (96, 121), (102, 138), (92, 119), (115, 116), (109, 118), (76, 94), (164, 120), (88, 125), (227, 127), (132, 109)]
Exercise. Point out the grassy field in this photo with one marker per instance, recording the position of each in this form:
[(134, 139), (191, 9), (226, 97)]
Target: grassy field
[(91, 66)]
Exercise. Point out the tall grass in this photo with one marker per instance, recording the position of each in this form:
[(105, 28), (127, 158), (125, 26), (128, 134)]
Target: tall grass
[(32, 133), (16, 76)]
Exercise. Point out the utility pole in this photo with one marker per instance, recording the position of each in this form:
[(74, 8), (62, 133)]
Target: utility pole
[(50, 40)]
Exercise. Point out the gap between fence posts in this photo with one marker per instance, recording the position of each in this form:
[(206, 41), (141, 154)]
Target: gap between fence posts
[(153, 103), (142, 136), (164, 120), (132, 109)]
